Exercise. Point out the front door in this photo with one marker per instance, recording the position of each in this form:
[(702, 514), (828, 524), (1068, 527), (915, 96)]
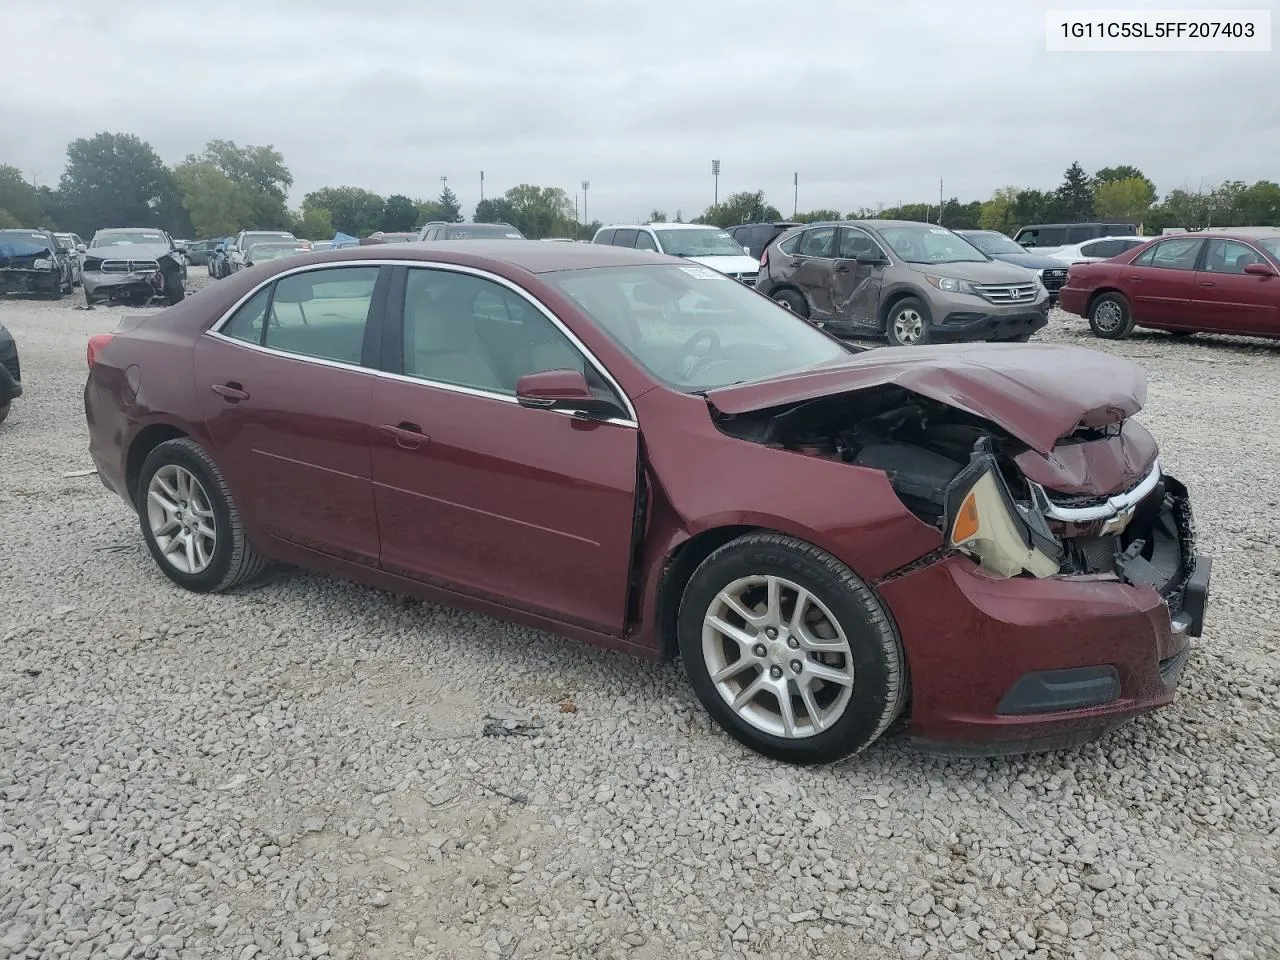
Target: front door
[(287, 394), (857, 278), (1161, 282), (531, 508), (1232, 301)]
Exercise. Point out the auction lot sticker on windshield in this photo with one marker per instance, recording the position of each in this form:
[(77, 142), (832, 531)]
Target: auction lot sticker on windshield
[(704, 273)]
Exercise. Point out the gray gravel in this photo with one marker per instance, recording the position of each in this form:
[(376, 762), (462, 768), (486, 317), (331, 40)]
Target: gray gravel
[(298, 770)]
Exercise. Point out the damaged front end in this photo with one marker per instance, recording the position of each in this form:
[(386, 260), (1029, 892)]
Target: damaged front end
[(1095, 507), (134, 277)]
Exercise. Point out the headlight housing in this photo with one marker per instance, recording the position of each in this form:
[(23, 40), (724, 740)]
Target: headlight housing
[(42, 264), (983, 520), (950, 284)]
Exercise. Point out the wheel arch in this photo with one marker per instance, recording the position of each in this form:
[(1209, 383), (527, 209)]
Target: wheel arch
[(148, 438), (678, 568), (896, 296), (1103, 291)]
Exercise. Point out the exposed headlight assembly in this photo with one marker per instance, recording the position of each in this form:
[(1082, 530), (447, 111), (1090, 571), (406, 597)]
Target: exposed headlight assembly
[(42, 264), (983, 520)]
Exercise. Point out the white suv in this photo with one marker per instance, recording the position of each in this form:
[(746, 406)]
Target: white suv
[(709, 246)]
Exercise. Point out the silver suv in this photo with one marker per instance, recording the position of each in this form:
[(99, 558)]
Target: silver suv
[(912, 283)]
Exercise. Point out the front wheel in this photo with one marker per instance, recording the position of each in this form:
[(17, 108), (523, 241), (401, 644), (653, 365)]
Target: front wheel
[(1110, 317), (174, 292), (908, 323), (4, 410), (190, 521), (789, 651)]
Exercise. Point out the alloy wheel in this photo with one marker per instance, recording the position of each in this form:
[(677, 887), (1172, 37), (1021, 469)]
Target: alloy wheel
[(778, 657), (180, 515), (908, 326), (1108, 316)]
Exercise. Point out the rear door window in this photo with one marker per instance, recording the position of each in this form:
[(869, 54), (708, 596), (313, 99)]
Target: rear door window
[(1177, 254), (625, 238), (645, 241), (604, 236), (819, 242)]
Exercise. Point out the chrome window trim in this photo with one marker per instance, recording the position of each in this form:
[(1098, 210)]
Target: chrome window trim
[(215, 330), (1265, 259)]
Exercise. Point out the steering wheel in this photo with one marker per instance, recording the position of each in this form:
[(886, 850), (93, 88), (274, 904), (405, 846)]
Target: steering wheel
[(700, 361), (710, 336)]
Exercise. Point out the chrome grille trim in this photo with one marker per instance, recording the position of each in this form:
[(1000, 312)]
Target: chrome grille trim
[(1007, 292)]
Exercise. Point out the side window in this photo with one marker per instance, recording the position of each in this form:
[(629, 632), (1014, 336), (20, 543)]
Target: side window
[(471, 332), (644, 241), (818, 243), (246, 323), (322, 313), (1080, 234), (1099, 248), (757, 238), (1028, 238), (790, 245), (604, 236), (625, 238), (1171, 254), (1053, 237), (1229, 256), (856, 243)]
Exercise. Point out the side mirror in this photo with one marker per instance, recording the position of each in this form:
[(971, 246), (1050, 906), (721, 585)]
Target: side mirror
[(747, 251), (81, 248), (1259, 270), (563, 390)]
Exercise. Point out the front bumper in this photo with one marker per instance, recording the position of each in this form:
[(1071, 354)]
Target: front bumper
[(123, 286), (10, 385), (28, 281), (966, 326), (1023, 664)]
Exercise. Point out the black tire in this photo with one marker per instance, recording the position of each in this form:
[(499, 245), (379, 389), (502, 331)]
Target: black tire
[(55, 292), (1116, 321), (794, 301), (234, 561), (71, 285), (902, 310), (88, 300), (4, 410), (879, 666), (174, 292)]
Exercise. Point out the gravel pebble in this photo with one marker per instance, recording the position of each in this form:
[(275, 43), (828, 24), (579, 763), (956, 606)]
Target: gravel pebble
[(297, 770)]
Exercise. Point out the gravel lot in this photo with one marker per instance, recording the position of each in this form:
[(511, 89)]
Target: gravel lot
[(299, 769)]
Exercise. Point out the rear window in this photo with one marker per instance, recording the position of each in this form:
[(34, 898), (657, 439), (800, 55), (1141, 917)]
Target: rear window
[(484, 231)]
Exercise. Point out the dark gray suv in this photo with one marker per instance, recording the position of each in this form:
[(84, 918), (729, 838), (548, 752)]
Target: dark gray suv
[(911, 283)]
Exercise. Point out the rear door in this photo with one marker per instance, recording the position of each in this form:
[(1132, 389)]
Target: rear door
[(812, 268), (287, 387), (856, 285), (1161, 282), (526, 507), (1232, 301)]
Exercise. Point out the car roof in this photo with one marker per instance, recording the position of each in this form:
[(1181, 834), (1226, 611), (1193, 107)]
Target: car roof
[(530, 255), (663, 226)]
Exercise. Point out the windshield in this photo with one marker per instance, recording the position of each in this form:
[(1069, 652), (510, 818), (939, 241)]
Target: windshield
[(121, 239), (483, 231), (694, 328), (251, 238), (921, 243), (699, 243), (993, 243)]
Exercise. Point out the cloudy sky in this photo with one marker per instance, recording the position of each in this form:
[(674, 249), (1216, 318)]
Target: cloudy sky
[(870, 102)]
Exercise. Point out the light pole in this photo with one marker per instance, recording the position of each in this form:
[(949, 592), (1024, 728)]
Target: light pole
[(586, 185), (482, 186), (795, 203), (715, 172)]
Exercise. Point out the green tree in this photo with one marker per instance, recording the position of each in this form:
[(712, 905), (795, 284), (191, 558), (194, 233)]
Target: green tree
[(352, 210), (448, 203), (117, 180), (259, 173), (536, 211), (998, 213), (1258, 205), (8, 220), (1127, 199), (1181, 208), (20, 199), (816, 216), (313, 223), (217, 205), (657, 216), (1074, 198), (400, 214), (1123, 172), (744, 207)]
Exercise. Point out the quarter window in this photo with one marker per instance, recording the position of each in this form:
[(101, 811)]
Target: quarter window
[(790, 245), (471, 332), (322, 313), (246, 323)]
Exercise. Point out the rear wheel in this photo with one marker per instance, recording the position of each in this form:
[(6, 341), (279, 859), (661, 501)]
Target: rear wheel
[(908, 323), (4, 410), (190, 521), (1110, 317), (794, 301), (789, 651)]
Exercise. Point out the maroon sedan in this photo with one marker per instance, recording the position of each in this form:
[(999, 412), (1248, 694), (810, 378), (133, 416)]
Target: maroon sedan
[(643, 453), (1187, 283)]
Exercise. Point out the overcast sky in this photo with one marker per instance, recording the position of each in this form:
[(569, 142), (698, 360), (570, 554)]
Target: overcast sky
[(870, 102)]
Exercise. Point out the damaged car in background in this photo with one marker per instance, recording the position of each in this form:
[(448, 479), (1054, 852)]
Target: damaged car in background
[(133, 265), (640, 452), (33, 261)]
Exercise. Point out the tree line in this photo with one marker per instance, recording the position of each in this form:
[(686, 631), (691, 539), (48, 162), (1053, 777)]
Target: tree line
[(117, 179)]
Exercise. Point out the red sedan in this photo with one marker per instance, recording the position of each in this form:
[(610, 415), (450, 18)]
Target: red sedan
[(643, 453), (1186, 283)]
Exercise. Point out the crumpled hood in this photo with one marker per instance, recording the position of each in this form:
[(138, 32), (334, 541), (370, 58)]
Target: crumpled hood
[(21, 254), (130, 251), (1039, 393)]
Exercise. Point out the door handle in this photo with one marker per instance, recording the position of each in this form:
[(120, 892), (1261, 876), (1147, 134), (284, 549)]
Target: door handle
[(842, 268), (407, 435), (1207, 283), (1134, 279), (231, 392)]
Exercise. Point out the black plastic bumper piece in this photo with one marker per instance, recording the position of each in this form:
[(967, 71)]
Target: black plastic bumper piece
[(10, 389), (1049, 691), (985, 326), (1195, 595)]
